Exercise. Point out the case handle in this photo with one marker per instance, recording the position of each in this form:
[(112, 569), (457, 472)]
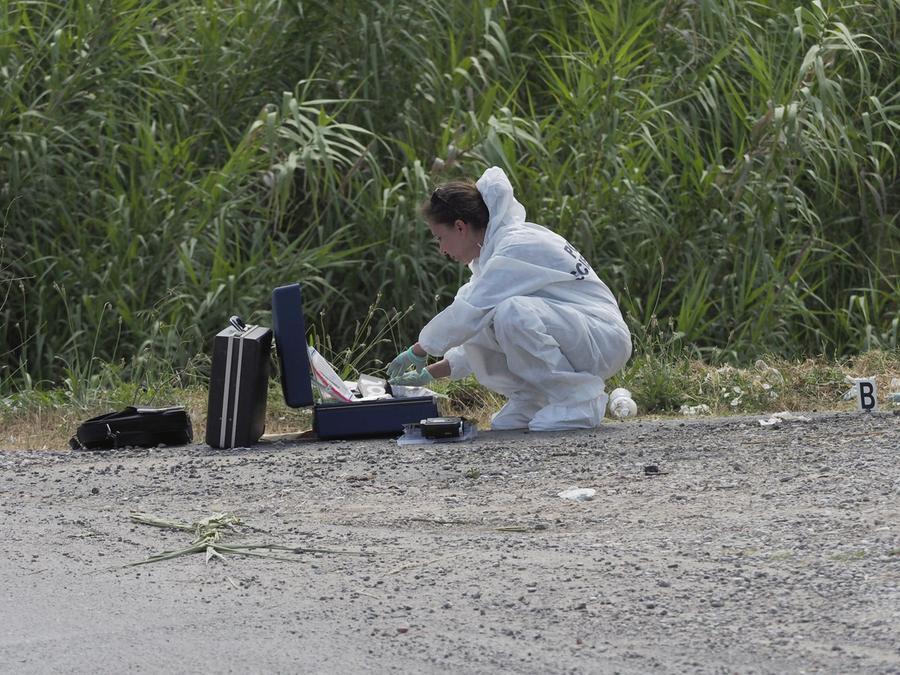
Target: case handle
[(238, 323)]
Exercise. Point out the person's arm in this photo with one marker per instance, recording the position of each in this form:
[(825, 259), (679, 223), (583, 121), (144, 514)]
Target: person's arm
[(501, 278), (421, 378), (439, 369)]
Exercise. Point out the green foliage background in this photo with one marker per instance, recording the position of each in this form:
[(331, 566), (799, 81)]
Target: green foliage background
[(727, 165)]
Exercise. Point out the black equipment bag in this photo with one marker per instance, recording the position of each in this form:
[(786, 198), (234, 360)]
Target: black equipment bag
[(143, 427), (238, 383), (362, 419)]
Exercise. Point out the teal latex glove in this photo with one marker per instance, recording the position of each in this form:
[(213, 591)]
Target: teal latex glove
[(403, 361), (412, 378)]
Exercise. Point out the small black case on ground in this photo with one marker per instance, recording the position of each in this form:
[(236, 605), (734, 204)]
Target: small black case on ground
[(363, 419), (238, 382), (442, 427), (142, 427)]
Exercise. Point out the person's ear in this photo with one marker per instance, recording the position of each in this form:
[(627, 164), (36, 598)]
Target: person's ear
[(460, 225)]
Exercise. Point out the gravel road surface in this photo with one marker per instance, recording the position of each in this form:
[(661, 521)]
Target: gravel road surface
[(745, 550)]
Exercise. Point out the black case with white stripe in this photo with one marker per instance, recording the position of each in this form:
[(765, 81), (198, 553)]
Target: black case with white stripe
[(236, 412)]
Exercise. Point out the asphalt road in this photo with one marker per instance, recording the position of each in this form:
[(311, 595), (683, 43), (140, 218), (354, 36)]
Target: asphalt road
[(746, 550)]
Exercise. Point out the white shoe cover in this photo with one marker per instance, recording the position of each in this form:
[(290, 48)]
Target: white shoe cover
[(565, 416), (515, 414)]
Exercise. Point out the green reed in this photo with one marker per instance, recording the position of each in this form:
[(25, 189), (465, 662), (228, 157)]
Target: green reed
[(729, 166)]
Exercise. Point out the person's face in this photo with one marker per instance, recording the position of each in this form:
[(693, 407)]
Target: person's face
[(458, 240)]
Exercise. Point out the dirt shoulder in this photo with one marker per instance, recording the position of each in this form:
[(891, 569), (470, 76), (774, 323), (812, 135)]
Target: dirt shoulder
[(752, 550)]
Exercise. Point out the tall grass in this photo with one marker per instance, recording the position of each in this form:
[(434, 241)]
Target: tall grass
[(724, 164)]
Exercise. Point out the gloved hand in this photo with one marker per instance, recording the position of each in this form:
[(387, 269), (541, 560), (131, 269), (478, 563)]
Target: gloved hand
[(412, 378), (403, 361)]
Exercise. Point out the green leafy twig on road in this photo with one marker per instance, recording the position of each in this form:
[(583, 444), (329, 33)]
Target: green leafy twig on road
[(209, 533)]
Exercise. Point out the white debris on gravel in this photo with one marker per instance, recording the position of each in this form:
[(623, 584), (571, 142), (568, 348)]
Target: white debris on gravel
[(775, 420), (578, 494)]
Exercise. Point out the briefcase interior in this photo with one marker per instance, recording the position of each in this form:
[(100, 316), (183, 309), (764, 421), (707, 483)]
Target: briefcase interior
[(361, 419)]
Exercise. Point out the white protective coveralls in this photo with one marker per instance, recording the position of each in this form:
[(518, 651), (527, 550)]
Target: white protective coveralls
[(534, 322)]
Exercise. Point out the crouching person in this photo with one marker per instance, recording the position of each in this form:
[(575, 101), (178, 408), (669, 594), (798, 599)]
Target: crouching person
[(534, 322)]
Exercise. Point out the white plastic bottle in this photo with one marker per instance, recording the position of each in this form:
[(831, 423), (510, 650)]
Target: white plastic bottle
[(621, 404)]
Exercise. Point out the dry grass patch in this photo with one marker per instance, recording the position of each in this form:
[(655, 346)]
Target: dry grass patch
[(46, 420), (771, 384)]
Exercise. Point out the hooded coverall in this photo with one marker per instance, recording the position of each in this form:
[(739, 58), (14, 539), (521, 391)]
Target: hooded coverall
[(534, 323)]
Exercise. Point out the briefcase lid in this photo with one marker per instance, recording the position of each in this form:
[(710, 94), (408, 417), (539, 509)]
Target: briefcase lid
[(290, 341)]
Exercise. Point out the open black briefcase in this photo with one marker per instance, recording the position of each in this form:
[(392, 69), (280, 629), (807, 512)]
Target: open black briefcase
[(359, 419)]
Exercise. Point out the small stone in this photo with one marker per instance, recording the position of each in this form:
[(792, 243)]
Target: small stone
[(403, 628), (95, 491)]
